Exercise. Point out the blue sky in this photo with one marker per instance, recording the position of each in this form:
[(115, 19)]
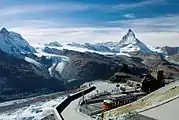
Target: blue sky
[(155, 22)]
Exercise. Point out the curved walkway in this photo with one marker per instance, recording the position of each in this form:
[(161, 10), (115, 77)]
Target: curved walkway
[(71, 113), (166, 111)]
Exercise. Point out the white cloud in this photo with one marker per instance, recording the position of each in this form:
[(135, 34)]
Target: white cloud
[(72, 7), (159, 38), (34, 8), (167, 23), (41, 35), (138, 4), (129, 15)]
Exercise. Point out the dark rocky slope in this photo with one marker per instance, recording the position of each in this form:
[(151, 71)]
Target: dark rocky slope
[(18, 79), (91, 66)]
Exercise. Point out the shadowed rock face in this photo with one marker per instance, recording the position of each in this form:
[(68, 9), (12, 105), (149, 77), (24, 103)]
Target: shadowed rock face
[(91, 66), (172, 53), (18, 79), (170, 50), (158, 62), (174, 58)]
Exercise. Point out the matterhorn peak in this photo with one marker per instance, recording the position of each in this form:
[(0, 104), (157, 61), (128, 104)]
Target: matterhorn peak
[(130, 33), (130, 43), (4, 31), (128, 38)]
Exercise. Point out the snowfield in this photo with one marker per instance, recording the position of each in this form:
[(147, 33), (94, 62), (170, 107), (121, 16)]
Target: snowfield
[(75, 48)]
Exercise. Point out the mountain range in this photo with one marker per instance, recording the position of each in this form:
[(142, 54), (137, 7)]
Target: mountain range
[(128, 44), (27, 71)]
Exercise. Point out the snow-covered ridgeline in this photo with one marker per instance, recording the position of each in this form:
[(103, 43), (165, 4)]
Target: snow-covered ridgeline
[(78, 49), (12, 43)]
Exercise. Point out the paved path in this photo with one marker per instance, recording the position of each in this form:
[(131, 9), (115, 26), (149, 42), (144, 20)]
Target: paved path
[(168, 111), (71, 113)]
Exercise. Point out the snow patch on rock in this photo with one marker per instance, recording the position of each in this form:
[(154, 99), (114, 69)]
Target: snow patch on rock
[(30, 60)]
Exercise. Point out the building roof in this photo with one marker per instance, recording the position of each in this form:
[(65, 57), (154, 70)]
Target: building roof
[(108, 101)]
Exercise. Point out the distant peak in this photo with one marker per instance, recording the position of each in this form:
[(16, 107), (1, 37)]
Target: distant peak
[(130, 33), (4, 30), (54, 44), (130, 30), (129, 38)]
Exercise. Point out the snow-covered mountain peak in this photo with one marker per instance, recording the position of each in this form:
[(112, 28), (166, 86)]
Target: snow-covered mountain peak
[(54, 44), (12, 43), (130, 43), (4, 31), (129, 38), (130, 33)]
